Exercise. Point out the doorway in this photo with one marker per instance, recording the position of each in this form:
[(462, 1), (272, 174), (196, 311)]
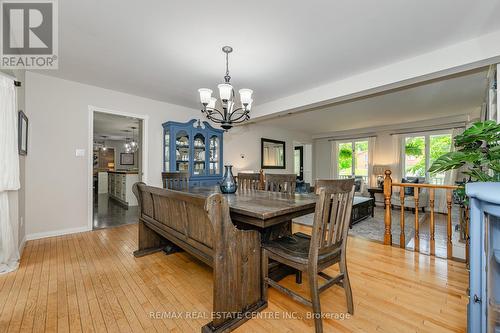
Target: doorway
[(118, 160), (299, 162)]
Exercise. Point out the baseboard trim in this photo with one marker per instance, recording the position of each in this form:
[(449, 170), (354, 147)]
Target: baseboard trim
[(54, 233)]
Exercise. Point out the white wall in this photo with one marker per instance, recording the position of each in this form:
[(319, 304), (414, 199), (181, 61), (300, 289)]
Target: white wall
[(245, 140), (57, 181)]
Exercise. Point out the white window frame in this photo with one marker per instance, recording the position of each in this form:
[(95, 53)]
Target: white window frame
[(426, 136), (353, 164)]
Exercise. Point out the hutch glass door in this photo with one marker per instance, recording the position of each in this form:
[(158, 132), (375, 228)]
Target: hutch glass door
[(166, 147), (214, 155), (182, 151), (199, 155)]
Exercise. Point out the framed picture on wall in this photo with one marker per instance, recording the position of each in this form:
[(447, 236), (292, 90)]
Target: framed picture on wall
[(22, 133), (127, 158)]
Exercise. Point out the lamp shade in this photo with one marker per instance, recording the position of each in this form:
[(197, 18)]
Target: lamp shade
[(225, 91), (205, 95), (211, 103), (380, 169), (249, 106), (245, 96)]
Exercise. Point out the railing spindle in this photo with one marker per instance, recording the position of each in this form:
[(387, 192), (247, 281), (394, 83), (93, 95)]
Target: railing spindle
[(388, 184), (387, 201), (417, 236), (432, 243), (449, 247), (402, 241)]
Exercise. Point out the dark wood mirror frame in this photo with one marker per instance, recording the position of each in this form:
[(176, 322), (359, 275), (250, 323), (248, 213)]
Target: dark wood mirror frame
[(262, 141)]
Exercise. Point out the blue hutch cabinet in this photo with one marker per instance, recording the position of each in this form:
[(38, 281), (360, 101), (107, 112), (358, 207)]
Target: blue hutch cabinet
[(194, 147), (483, 312)]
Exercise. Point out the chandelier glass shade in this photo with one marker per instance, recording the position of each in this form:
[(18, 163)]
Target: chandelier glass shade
[(229, 111), (131, 146)]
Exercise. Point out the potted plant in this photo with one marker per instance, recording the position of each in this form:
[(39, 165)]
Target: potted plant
[(478, 149)]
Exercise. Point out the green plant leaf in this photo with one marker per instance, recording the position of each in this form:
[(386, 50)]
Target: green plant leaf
[(488, 131), (478, 175), (414, 149), (453, 160)]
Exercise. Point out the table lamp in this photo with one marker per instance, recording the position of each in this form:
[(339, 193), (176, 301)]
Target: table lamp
[(379, 171)]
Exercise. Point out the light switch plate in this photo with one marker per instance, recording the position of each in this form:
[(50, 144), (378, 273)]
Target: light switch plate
[(80, 152)]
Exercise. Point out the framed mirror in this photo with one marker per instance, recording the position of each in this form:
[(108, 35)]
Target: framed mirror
[(272, 154)]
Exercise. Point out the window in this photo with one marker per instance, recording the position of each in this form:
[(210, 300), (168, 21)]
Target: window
[(353, 159), (420, 151)]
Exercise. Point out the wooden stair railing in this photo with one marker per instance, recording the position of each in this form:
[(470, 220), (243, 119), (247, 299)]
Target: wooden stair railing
[(388, 186)]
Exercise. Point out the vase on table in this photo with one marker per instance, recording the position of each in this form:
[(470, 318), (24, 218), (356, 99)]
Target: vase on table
[(228, 184)]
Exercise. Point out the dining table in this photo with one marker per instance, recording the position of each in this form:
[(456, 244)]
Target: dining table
[(270, 213)]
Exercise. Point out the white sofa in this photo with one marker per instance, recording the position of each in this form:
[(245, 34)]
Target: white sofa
[(423, 198)]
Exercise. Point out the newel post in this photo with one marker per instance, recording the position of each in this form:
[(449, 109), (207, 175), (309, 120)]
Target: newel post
[(387, 201)]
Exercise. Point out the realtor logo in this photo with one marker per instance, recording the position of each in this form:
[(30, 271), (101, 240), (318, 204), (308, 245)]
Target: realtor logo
[(29, 34)]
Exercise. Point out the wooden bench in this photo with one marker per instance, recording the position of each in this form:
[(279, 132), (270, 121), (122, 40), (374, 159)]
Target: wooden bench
[(202, 227)]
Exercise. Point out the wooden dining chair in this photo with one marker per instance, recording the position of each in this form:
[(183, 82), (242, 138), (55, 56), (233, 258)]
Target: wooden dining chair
[(281, 182), (248, 181), (175, 180), (312, 254)]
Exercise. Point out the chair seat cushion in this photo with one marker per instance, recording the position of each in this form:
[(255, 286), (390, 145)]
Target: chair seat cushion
[(296, 248), (409, 191)]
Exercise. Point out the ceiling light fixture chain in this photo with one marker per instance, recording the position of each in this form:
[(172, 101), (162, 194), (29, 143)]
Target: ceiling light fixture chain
[(227, 50)]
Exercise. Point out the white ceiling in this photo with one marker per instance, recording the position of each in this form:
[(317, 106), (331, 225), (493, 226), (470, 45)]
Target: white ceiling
[(114, 126), (457, 95), (165, 50)]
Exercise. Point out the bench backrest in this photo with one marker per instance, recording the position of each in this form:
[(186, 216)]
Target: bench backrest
[(179, 213), (202, 226)]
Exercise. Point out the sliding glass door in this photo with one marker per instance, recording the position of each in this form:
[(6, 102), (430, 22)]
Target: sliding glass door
[(420, 151), (353, 159)]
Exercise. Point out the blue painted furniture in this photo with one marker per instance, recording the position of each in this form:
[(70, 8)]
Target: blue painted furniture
[(195, 148), (483, 313)]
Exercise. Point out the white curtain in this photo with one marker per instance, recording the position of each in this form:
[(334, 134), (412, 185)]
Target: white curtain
[(396, 171), (335, 156), (450, 177), (9, 173), (371, 148), (272, 155)]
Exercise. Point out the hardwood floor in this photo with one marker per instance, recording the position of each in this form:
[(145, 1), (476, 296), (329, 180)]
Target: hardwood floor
[(90, 282)]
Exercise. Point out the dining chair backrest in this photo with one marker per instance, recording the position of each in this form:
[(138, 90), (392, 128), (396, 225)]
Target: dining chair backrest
[(331, 217), (175, 180), (248, 181), (281, 182)]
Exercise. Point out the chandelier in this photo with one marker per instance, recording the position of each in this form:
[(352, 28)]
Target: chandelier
[(230, 113), (131, 146)]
